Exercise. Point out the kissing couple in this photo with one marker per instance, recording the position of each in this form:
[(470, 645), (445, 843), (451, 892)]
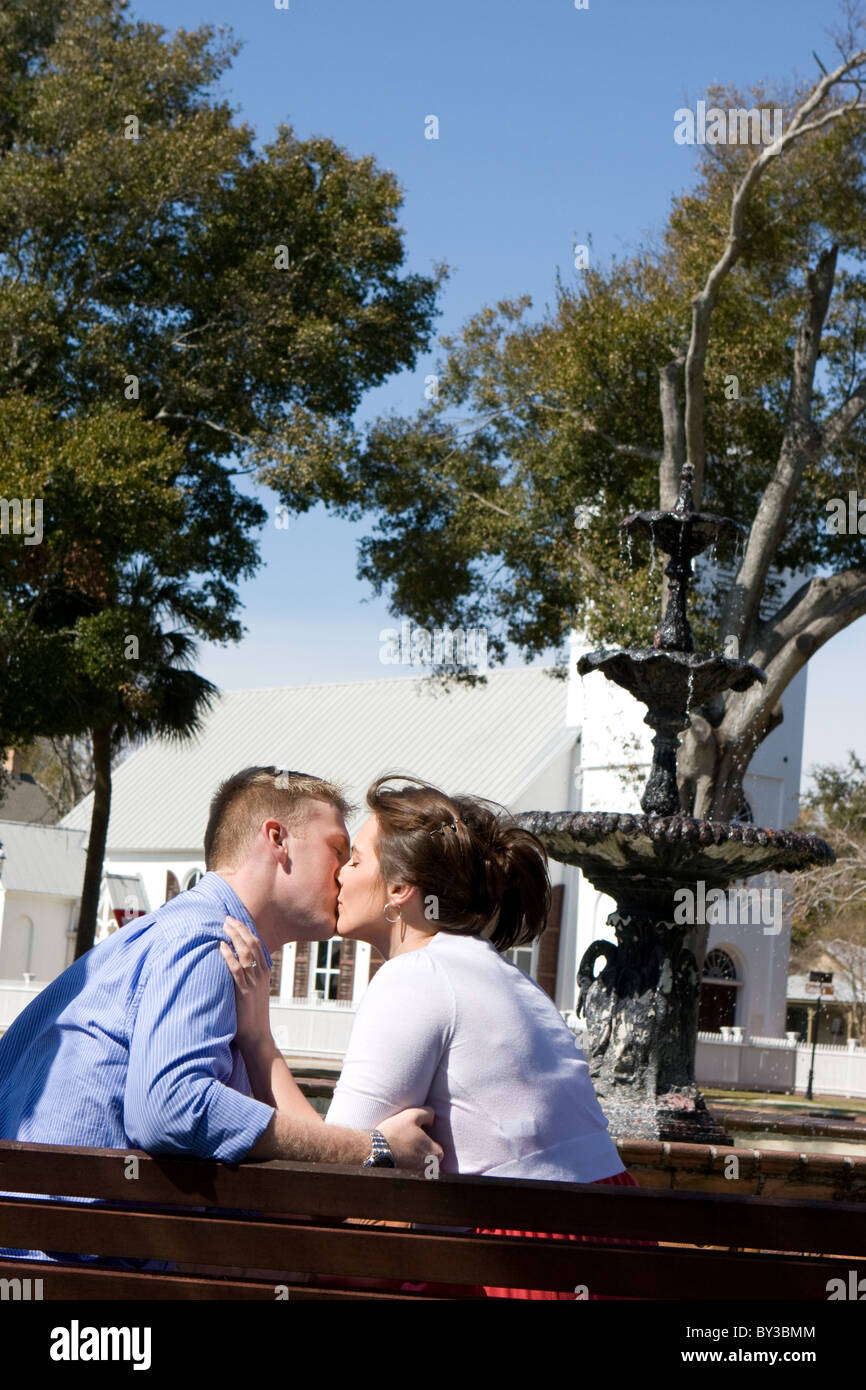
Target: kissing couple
[(159, 1037)]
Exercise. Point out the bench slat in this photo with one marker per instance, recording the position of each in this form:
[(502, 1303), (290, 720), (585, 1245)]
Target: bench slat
[(329, 1191), (376, 1253), (71, 1282)]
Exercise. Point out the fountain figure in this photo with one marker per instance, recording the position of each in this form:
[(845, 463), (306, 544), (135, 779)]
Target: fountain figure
[(641, 1010)]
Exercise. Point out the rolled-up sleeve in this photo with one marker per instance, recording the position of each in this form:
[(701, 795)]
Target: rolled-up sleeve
[(177, 1098)]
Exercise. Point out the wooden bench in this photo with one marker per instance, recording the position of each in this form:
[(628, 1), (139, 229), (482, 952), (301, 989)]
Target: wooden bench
[(244, 1229)]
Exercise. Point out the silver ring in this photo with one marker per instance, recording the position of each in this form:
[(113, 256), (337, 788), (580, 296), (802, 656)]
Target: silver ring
[(253, 965)]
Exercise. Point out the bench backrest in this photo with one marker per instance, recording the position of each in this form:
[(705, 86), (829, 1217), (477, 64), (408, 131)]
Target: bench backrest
[(243, 1222)]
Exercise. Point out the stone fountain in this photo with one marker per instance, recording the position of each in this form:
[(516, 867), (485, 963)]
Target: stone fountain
[(641, 1009)]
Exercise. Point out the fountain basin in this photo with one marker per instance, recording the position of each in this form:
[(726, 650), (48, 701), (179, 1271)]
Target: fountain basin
[(671, 680), (642, 860), (683, 531)]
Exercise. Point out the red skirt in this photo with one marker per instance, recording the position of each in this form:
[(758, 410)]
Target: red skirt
[(623, 1179), (458, 1291)]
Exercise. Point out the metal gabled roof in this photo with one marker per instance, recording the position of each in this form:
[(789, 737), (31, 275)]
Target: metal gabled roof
[(42, 858), (490, 740)]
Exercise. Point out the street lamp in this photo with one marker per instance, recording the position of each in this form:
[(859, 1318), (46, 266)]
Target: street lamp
[(819, 979)]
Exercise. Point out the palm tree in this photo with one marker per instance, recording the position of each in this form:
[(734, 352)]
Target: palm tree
[(150, 692)]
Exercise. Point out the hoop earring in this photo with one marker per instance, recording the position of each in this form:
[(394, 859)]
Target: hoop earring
[(393, 920)]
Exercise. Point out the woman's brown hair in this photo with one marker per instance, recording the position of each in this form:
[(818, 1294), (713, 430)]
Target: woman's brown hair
[(483, 873)]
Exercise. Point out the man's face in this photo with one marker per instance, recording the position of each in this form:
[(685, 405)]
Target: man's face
[(317, 848), (363, 895)]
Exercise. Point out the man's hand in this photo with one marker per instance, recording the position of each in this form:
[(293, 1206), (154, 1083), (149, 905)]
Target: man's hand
[(304, 1141), (408, 1142)]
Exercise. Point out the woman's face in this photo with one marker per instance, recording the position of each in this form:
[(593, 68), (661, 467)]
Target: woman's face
[(362, 895)]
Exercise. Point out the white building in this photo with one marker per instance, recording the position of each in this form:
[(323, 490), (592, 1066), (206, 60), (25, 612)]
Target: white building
[(524, 739), (41, 873)]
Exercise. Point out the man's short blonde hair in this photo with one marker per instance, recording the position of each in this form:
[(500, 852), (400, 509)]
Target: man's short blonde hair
[(243, 801)]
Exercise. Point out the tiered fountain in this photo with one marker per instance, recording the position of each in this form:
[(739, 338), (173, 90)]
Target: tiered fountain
[(641, 1009)]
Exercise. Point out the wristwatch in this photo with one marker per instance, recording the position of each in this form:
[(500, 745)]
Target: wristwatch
[(380, 1155)]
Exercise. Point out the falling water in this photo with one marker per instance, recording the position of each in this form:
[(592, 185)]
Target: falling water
[(740, 598), (690, 689), (628, 549), (652, 548), (739, 551)]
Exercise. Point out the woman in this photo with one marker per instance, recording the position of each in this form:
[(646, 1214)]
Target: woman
[(441, 886)]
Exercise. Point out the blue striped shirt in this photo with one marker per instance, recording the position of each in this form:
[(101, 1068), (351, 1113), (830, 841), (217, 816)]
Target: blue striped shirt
[(133, 1046)]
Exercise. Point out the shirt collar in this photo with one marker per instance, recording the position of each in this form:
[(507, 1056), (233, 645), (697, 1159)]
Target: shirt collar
[(216, 888)]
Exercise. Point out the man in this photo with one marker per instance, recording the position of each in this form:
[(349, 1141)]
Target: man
[(133, 1045)]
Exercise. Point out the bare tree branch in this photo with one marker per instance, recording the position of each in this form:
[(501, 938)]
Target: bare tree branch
[(673, 455), (826, 608), (839, 424), (705, 301), (163, 414), (816, 599), (801, 444), (637, 450)]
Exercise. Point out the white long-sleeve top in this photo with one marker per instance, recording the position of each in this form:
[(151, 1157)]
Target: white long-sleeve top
[(456, 1026)]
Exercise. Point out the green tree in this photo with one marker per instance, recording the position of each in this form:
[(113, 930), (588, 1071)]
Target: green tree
[(177, 307), (151, 254), (738, 344), (134, 675), (85, 645)]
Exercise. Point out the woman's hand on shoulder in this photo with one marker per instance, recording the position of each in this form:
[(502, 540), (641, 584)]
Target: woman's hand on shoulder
[(252, 980)]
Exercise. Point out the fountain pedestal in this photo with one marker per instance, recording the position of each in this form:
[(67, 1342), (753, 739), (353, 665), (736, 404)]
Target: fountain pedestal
[(641, 1008), (641, 1015)]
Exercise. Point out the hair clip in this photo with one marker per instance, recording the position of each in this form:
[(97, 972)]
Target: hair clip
[(440, 829)]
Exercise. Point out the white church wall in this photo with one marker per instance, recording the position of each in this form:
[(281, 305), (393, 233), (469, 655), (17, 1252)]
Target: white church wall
[(34, 935)]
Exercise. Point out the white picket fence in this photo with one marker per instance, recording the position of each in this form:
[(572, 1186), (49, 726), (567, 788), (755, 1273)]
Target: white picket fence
[(302, 1027), (779, 1064), (321, 1028), (313, 1027), (15, 996)]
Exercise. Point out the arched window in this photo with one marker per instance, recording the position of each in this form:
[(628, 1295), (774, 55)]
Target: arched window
[(172, 887), (719, 966), (718, 998), (192, 879)]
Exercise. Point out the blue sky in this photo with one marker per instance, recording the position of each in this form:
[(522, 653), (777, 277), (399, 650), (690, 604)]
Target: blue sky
[(555, 127)]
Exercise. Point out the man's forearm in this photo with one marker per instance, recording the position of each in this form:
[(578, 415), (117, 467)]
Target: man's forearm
[(310, 1141), (273, 1083)]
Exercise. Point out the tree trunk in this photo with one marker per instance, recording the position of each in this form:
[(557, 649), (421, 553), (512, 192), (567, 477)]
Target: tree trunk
[(713, 761), (96, 843)]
